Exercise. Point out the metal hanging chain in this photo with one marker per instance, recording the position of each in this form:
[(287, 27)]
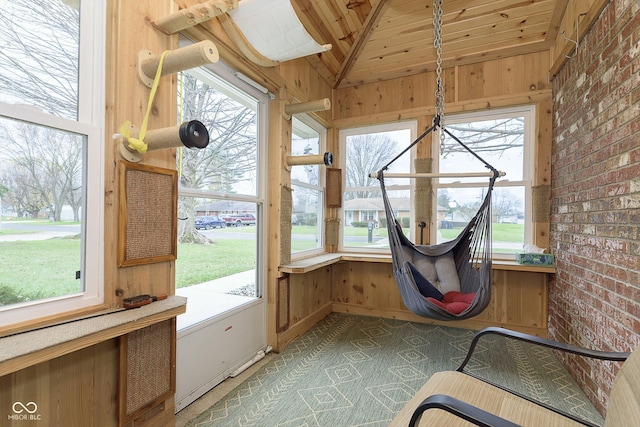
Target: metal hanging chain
[(437, 43)]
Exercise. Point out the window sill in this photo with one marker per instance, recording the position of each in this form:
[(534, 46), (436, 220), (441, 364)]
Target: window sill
[(29, 348), (306, 265)]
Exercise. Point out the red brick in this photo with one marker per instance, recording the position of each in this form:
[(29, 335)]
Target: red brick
[(595, 217)]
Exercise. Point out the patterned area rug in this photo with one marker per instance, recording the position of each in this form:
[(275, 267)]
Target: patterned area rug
[(361, 371)]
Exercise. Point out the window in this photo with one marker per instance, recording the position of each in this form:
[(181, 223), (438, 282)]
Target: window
[(307, 213), (503, 138), (367, 150), (221, 190), (51, 157)]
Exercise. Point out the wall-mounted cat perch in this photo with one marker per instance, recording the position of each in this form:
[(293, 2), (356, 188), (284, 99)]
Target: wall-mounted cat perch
[(185, 58), (194, 15), (314, 159), (267, 32), (323, 104), (134, 142), (191, 134)]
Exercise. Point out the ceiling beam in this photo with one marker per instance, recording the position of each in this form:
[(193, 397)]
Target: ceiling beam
[(367, 28), (555, 20)]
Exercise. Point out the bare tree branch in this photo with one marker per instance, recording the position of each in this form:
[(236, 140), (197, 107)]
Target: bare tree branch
[(365, 154), (39, 55)]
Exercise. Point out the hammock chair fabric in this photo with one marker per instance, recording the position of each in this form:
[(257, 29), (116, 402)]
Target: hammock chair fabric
[(450, 280)]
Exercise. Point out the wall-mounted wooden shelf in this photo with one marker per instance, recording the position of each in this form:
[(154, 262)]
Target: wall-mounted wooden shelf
[(306, 265)]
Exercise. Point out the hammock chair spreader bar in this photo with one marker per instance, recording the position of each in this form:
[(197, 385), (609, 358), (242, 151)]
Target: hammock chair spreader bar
[(441, 175)]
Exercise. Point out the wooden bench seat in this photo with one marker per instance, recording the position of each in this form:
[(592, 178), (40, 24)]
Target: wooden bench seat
[(455, 398)]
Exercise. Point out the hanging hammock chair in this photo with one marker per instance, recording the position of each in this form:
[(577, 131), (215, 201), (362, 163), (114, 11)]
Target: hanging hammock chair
[(450, 280)]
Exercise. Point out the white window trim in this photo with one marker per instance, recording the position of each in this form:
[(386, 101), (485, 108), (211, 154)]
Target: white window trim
[(242, 88), (412, 125), (90, 123), (529, 113), (321, 188)]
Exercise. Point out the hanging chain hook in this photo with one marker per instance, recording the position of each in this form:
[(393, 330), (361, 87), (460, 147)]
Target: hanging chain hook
[(437, 44)]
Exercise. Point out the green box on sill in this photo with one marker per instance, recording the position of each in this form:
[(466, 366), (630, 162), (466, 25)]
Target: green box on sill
[(535, 259)]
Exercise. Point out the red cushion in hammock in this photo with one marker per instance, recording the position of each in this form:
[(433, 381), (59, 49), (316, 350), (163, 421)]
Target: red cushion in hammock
[(454, 302)]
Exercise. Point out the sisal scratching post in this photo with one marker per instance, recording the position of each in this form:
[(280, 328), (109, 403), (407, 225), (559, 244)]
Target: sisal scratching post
[(185, 58), (541, 197), (332, 231), (423, 190), (286, 209)]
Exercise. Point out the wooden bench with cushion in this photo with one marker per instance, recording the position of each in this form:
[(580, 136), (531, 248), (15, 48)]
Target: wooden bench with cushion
[(456, 398)]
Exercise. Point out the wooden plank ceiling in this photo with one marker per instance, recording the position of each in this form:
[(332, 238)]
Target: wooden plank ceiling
[(383, 39)]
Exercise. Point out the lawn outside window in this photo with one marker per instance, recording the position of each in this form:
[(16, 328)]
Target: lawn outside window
[(223, 180), (503, 138)]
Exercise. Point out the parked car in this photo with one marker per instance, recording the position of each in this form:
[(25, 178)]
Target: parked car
[(238, 220), (209, 222)]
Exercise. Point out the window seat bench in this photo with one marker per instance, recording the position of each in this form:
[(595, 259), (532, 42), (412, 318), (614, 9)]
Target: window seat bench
[(29, 348), (304, 265)]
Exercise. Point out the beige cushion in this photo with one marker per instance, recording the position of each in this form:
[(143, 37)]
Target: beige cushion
[(624, 399), (439, 271), (447, 273), (426, 266), (481, 395)]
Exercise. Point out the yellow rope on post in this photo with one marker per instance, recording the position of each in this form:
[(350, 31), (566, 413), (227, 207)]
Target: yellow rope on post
[(138, 144)]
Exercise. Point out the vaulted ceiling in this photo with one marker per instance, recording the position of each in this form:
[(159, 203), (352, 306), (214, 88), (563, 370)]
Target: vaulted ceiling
[(383, 39)]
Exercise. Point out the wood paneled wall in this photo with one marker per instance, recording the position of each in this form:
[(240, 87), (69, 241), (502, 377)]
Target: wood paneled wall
[(511, 81), (129, 30), (519, 298), (78, 389)]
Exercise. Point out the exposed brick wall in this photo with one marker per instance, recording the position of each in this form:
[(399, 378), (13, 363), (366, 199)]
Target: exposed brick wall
[(595, 198)]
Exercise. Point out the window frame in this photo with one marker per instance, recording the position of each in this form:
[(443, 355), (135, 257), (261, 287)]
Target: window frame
[(412, 126), (528, 112), (234, 82), (320, 187), (90, 124)]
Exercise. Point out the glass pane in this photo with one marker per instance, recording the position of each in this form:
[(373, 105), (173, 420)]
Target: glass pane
[(456, 206), (220, 253), (307, 214), (499, 142), (305, 227), (39, 55), (42, 196), (229, 163), (365, 220), (363, 207), (369, 152), (305, 142)]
